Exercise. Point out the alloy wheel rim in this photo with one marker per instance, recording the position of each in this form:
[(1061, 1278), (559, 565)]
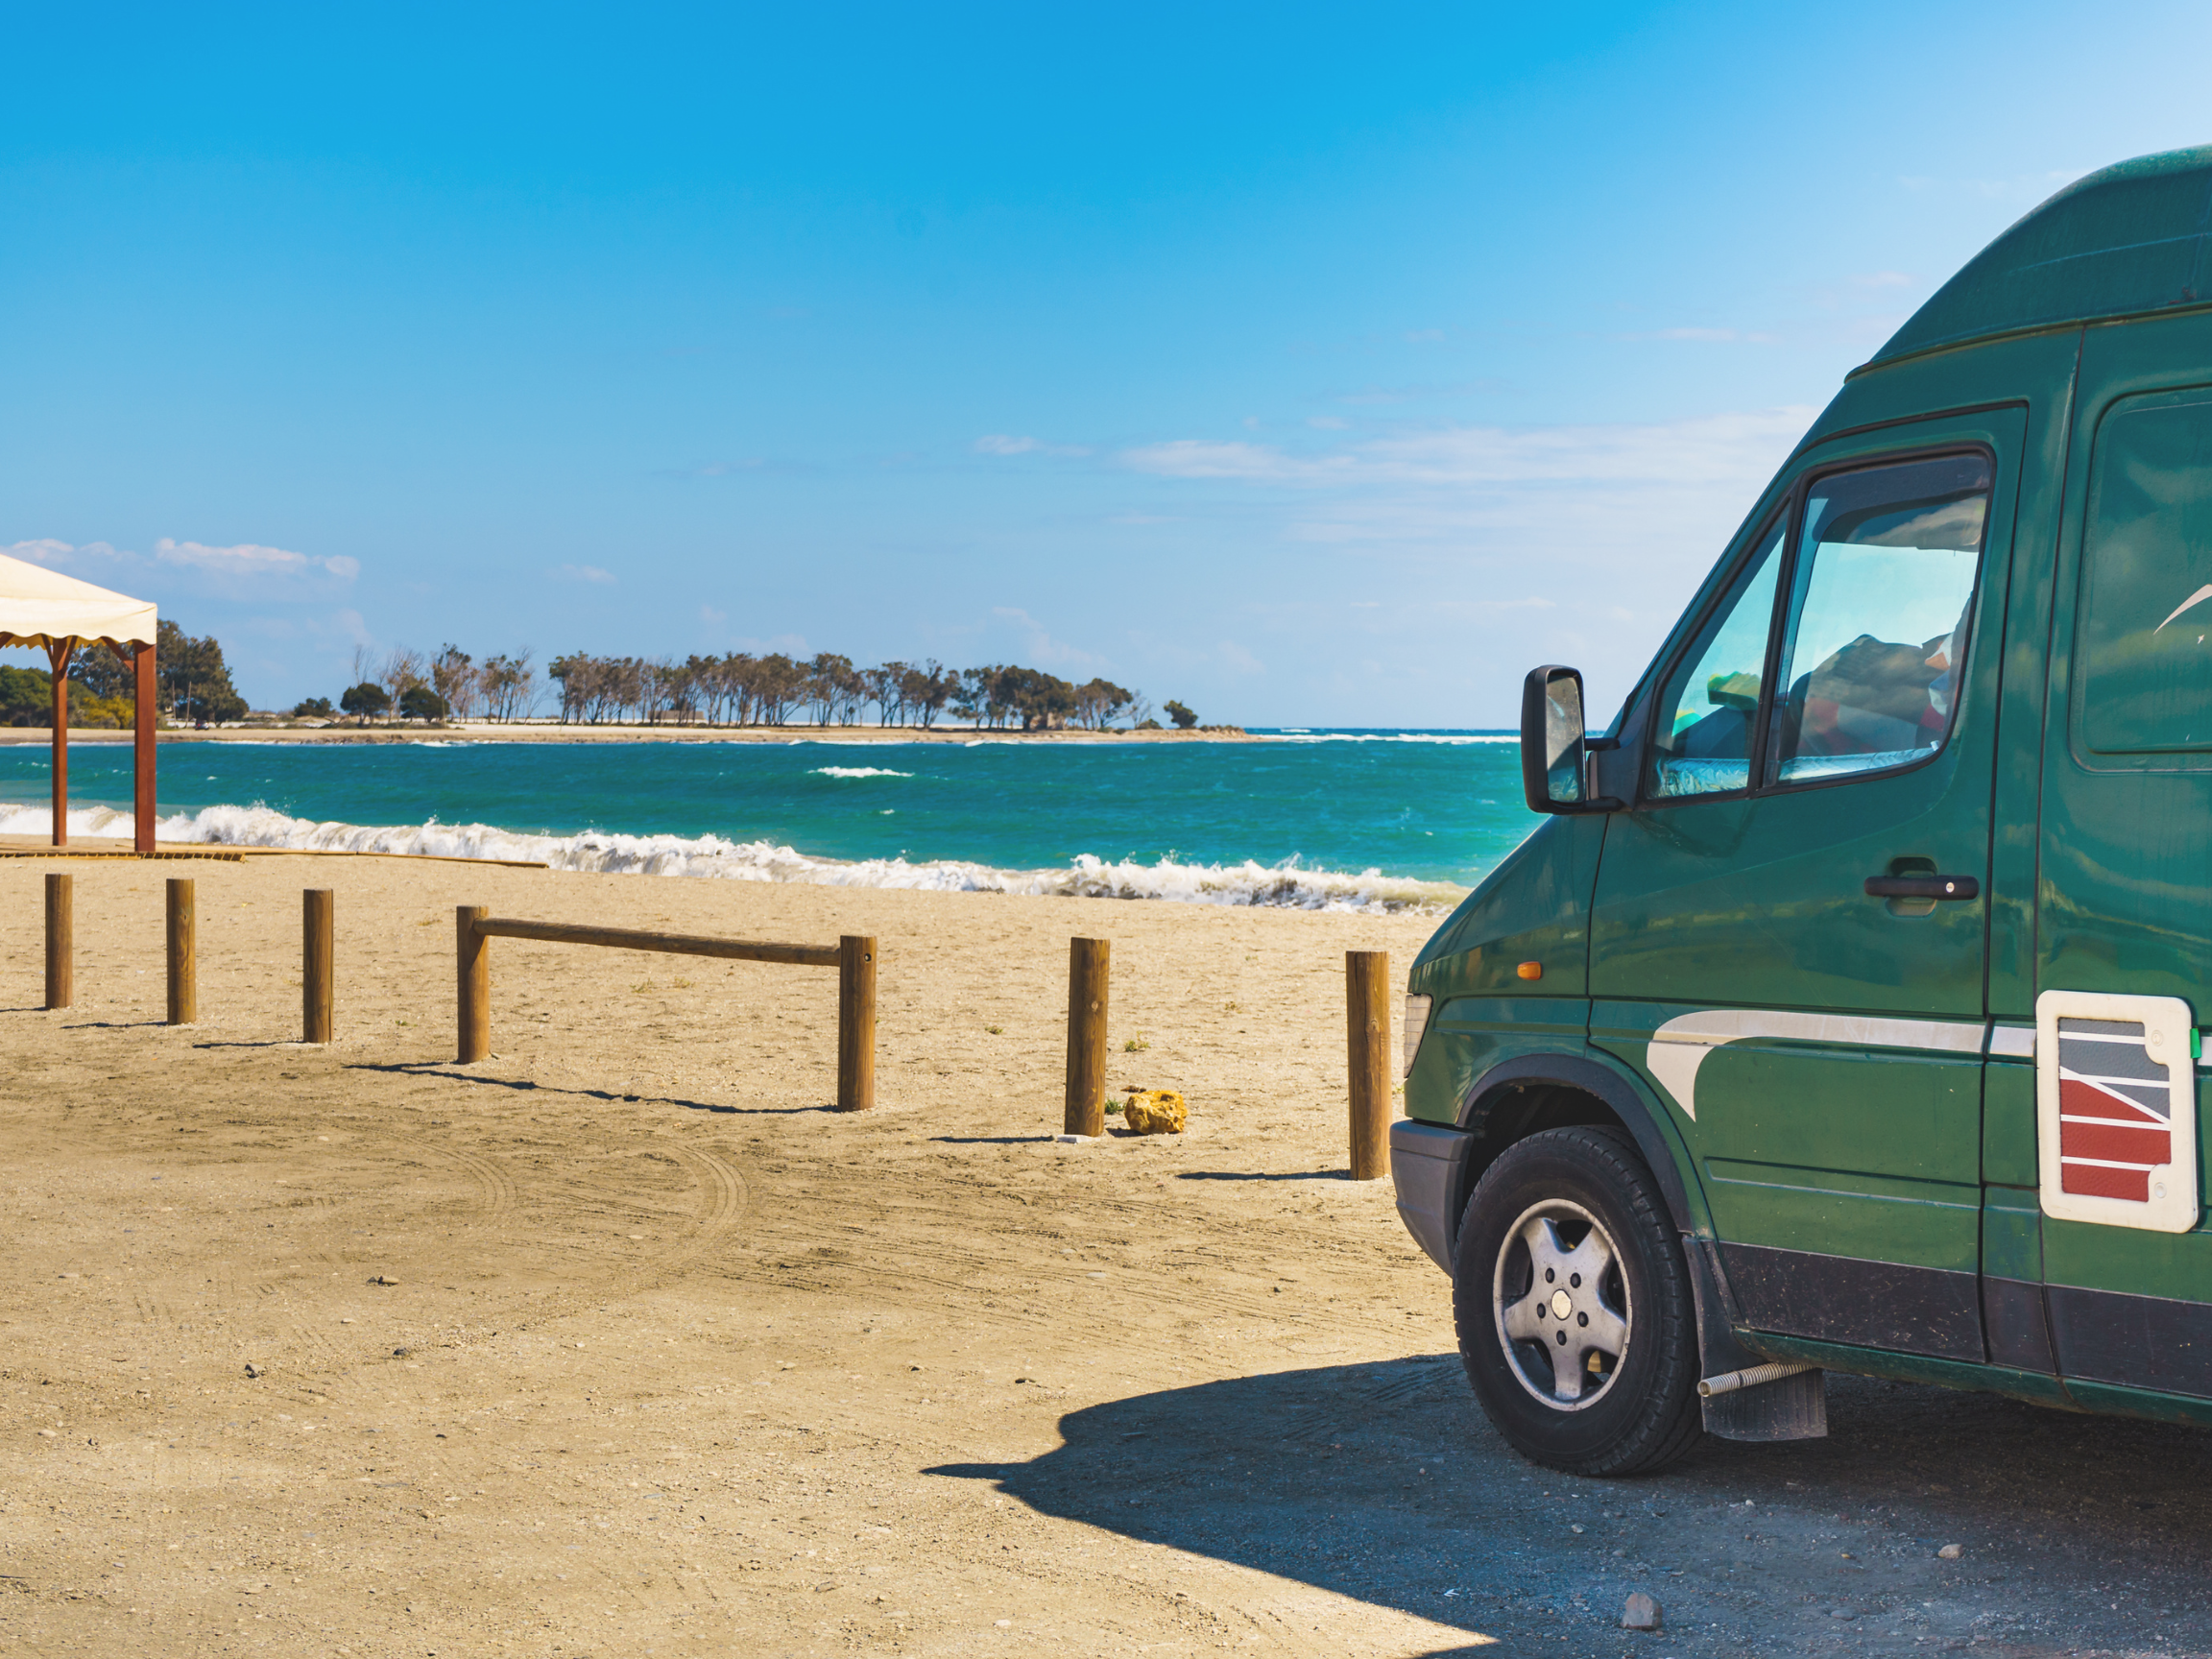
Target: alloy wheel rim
[(1560, 1305)]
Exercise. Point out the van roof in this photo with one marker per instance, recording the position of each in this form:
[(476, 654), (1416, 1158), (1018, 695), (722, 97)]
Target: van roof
[(2128, 239)]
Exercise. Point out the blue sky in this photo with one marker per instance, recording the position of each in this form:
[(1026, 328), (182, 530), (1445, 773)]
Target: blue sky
[(1313, 365)]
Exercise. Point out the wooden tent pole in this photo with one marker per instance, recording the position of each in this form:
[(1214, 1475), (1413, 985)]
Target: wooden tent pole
[(58, 652), (142, 749)]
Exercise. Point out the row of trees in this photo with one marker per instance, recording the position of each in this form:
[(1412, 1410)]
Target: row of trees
[(190, 675), (739, 688)]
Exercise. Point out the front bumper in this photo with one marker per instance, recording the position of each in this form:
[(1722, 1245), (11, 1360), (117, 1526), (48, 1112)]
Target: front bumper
[(1428, 1167)]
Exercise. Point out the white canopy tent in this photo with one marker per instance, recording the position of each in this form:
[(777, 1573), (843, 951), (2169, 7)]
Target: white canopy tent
[(43, 607)]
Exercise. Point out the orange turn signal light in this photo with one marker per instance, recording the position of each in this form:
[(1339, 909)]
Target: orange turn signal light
[(1531, 970)]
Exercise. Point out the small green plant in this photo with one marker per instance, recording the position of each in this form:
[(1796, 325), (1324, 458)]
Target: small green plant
[(996, 1031), (1136, 1045), (1112, 1108), (643, 986)]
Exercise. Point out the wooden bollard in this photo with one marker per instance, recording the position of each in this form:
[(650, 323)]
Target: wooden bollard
[(855, 1022), (473, 960), (183, 954), (61, 942), (1087, 977), (317, 950), (1367, 1005)]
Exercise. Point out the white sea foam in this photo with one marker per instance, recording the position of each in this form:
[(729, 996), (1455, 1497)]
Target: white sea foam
[(858, 772), (1286, 885), (1290, 734)]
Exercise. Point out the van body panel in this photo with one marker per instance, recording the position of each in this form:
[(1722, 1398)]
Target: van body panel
[(2142, 1402), (1533, 907), (1823, 1049), (2008, 1123), (1469, 1036), (2124, 900), (2126, 836), (2127, 239), (1832, 1298), (1861, 1360), (2015, 1325)]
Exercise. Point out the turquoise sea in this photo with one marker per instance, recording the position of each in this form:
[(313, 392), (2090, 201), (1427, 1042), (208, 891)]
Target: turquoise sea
[(1314, 818)]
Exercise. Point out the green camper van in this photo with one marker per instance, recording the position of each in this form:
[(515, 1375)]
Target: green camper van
[(1842, 1013)]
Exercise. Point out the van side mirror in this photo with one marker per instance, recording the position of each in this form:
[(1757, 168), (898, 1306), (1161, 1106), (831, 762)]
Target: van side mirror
[(1555, 742)]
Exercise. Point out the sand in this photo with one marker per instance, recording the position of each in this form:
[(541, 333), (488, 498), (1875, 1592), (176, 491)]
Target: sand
[(671, 1344), (618, 1342)]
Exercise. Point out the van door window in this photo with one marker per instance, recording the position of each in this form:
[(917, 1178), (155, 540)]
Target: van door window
[(1710, 708), (2141, 649), (1879, 605)]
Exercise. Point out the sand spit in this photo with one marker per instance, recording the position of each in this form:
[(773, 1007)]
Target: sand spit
[(552, 731)]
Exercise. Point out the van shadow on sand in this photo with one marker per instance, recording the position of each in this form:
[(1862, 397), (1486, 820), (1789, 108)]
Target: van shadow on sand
[(1383, 1483)]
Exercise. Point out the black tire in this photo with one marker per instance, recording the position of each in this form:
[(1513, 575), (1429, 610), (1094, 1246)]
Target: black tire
[(1619, 1396)]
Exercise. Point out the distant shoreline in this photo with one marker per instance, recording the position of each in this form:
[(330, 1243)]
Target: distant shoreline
[(499, 731)]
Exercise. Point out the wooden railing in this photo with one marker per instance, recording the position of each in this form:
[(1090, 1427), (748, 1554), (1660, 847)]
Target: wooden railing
[(853, 957)]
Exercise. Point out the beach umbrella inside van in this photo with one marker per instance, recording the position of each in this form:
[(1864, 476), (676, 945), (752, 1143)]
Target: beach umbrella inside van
[(44, 607)]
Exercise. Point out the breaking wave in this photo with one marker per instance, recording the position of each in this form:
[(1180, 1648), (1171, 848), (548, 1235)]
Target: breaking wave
[(1286, 885)]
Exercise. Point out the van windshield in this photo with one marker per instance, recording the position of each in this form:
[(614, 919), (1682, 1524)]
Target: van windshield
[(1709, 710)]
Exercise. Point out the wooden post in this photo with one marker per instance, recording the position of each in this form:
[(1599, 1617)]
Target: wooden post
[(855, 1022), (142, 749), (317, 950), (1087, 973), (472, 953), (183, 954), (1368, 999), (58, 652), (61, 947)]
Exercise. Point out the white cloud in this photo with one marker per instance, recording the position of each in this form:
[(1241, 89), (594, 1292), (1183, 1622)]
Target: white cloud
[(250, 559), (244, 559), (1003, 443), (584, 573), (1042, 649), (48, 551), (1702, 449), (1575, 543)]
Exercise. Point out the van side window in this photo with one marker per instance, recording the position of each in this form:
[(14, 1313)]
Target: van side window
[(1875, 644), (1710, 707), (2141, 654)]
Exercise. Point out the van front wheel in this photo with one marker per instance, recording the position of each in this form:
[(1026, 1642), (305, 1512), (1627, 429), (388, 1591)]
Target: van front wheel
[(1574, 1308)]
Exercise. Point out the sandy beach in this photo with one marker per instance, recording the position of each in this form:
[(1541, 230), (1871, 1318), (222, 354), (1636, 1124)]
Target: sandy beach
[(619, 1342)]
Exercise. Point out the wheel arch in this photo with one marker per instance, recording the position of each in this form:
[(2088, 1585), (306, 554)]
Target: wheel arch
[(1531, 1092)]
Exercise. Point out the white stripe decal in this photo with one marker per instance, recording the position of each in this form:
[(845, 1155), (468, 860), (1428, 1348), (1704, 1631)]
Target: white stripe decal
[(1678, 1047)]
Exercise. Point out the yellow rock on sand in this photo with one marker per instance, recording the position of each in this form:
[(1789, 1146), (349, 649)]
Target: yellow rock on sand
[(1155, 1111)]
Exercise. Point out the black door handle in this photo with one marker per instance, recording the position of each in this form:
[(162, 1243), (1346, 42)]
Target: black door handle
[(1923, 888)]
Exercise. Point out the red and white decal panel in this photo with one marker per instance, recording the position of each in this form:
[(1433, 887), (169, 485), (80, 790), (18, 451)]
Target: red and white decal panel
[(2116, 1105)]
